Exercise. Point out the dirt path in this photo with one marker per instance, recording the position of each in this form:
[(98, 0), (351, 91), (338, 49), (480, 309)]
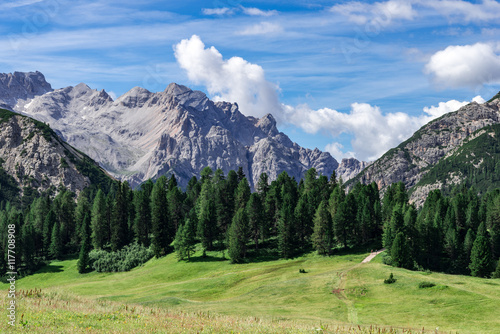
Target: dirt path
[(352, 314)]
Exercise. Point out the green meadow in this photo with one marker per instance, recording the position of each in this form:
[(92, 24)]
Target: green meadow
[(336, 294)]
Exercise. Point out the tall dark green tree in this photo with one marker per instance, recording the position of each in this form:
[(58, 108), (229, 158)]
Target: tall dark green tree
[(161, 238), (255, 212), (83, 263), (238, 236), (242, 194), (99, 221), (400, 254), (206, 214), (185, 240), (120, 217), (481, 261), (56, 246), (142, 221), (323, 229)]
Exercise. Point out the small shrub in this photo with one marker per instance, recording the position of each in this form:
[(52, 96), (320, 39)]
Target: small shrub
[(423, 285), (390, 280), (124, 259), (302, 271)]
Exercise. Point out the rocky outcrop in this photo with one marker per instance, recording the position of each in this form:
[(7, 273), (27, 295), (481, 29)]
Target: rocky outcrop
[(413, 158), (179, 131), (349, 168), (36, 157), (19, 87)]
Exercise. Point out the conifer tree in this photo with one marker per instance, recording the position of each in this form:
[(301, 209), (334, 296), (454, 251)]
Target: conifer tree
[(185, 240), (238, 236), (399, 252), (83, 259), (159, 218), (120, 217), (55, 249), (99, 221), (242, 194), (254, 211), (142, 221), (48, 224), (323, 234), (206, 214), (481, 261)]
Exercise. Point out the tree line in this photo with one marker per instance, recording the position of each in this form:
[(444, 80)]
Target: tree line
[(283, 218)]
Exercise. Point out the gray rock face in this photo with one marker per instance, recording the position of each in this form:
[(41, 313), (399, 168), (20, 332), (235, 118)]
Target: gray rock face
[(350, 167), (412, 159), (179, 131), (21, 87), (37, 159)]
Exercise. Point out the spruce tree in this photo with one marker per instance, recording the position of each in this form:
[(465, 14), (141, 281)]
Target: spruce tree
[(120, 217), (83, 259), (99, 221), (238, 236), (480, 259), (56, 246), (142, 221), (185, 240), (323, 234), (255, 211), (206, 214), (159, 218), (242, 194), (400, 253)]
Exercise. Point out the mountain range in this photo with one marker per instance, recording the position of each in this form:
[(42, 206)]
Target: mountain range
[(142, 135)]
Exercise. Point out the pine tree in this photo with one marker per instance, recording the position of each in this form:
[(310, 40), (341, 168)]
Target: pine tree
[(480, 259), (120, 217), (240, 174), (286, 240), (242, 194), (255, 210), (48, 224), (399, 252), (159, 218), (55, 250), (67, 220), (206, 214), (99, 221), (82, 209), (323, 234), (83, 260), (185, 240), (238, 236), (142, 221)]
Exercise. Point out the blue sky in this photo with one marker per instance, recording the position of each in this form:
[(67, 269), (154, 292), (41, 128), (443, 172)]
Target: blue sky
[(354, 78)]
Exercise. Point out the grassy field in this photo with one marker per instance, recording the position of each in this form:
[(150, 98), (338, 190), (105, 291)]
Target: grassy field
[(211, 295)]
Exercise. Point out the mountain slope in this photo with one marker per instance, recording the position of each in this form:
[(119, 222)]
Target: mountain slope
[(415, 157), (179, 131), (33, 156), (475, 163)]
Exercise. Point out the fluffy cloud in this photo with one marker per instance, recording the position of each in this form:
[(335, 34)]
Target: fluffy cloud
[(258, 12), (378, 13), (233, 80), (237, 80), (465, 65), (263, 28)]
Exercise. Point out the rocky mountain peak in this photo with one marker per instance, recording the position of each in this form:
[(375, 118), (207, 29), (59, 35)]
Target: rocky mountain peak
[(20, 86)]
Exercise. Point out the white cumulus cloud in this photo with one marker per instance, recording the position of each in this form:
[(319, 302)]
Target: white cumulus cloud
[(233, 80), (459, 10), (465, 65)]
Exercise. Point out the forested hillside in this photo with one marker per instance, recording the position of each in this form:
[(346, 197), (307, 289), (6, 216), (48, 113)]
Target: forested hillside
[(122, 228)]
